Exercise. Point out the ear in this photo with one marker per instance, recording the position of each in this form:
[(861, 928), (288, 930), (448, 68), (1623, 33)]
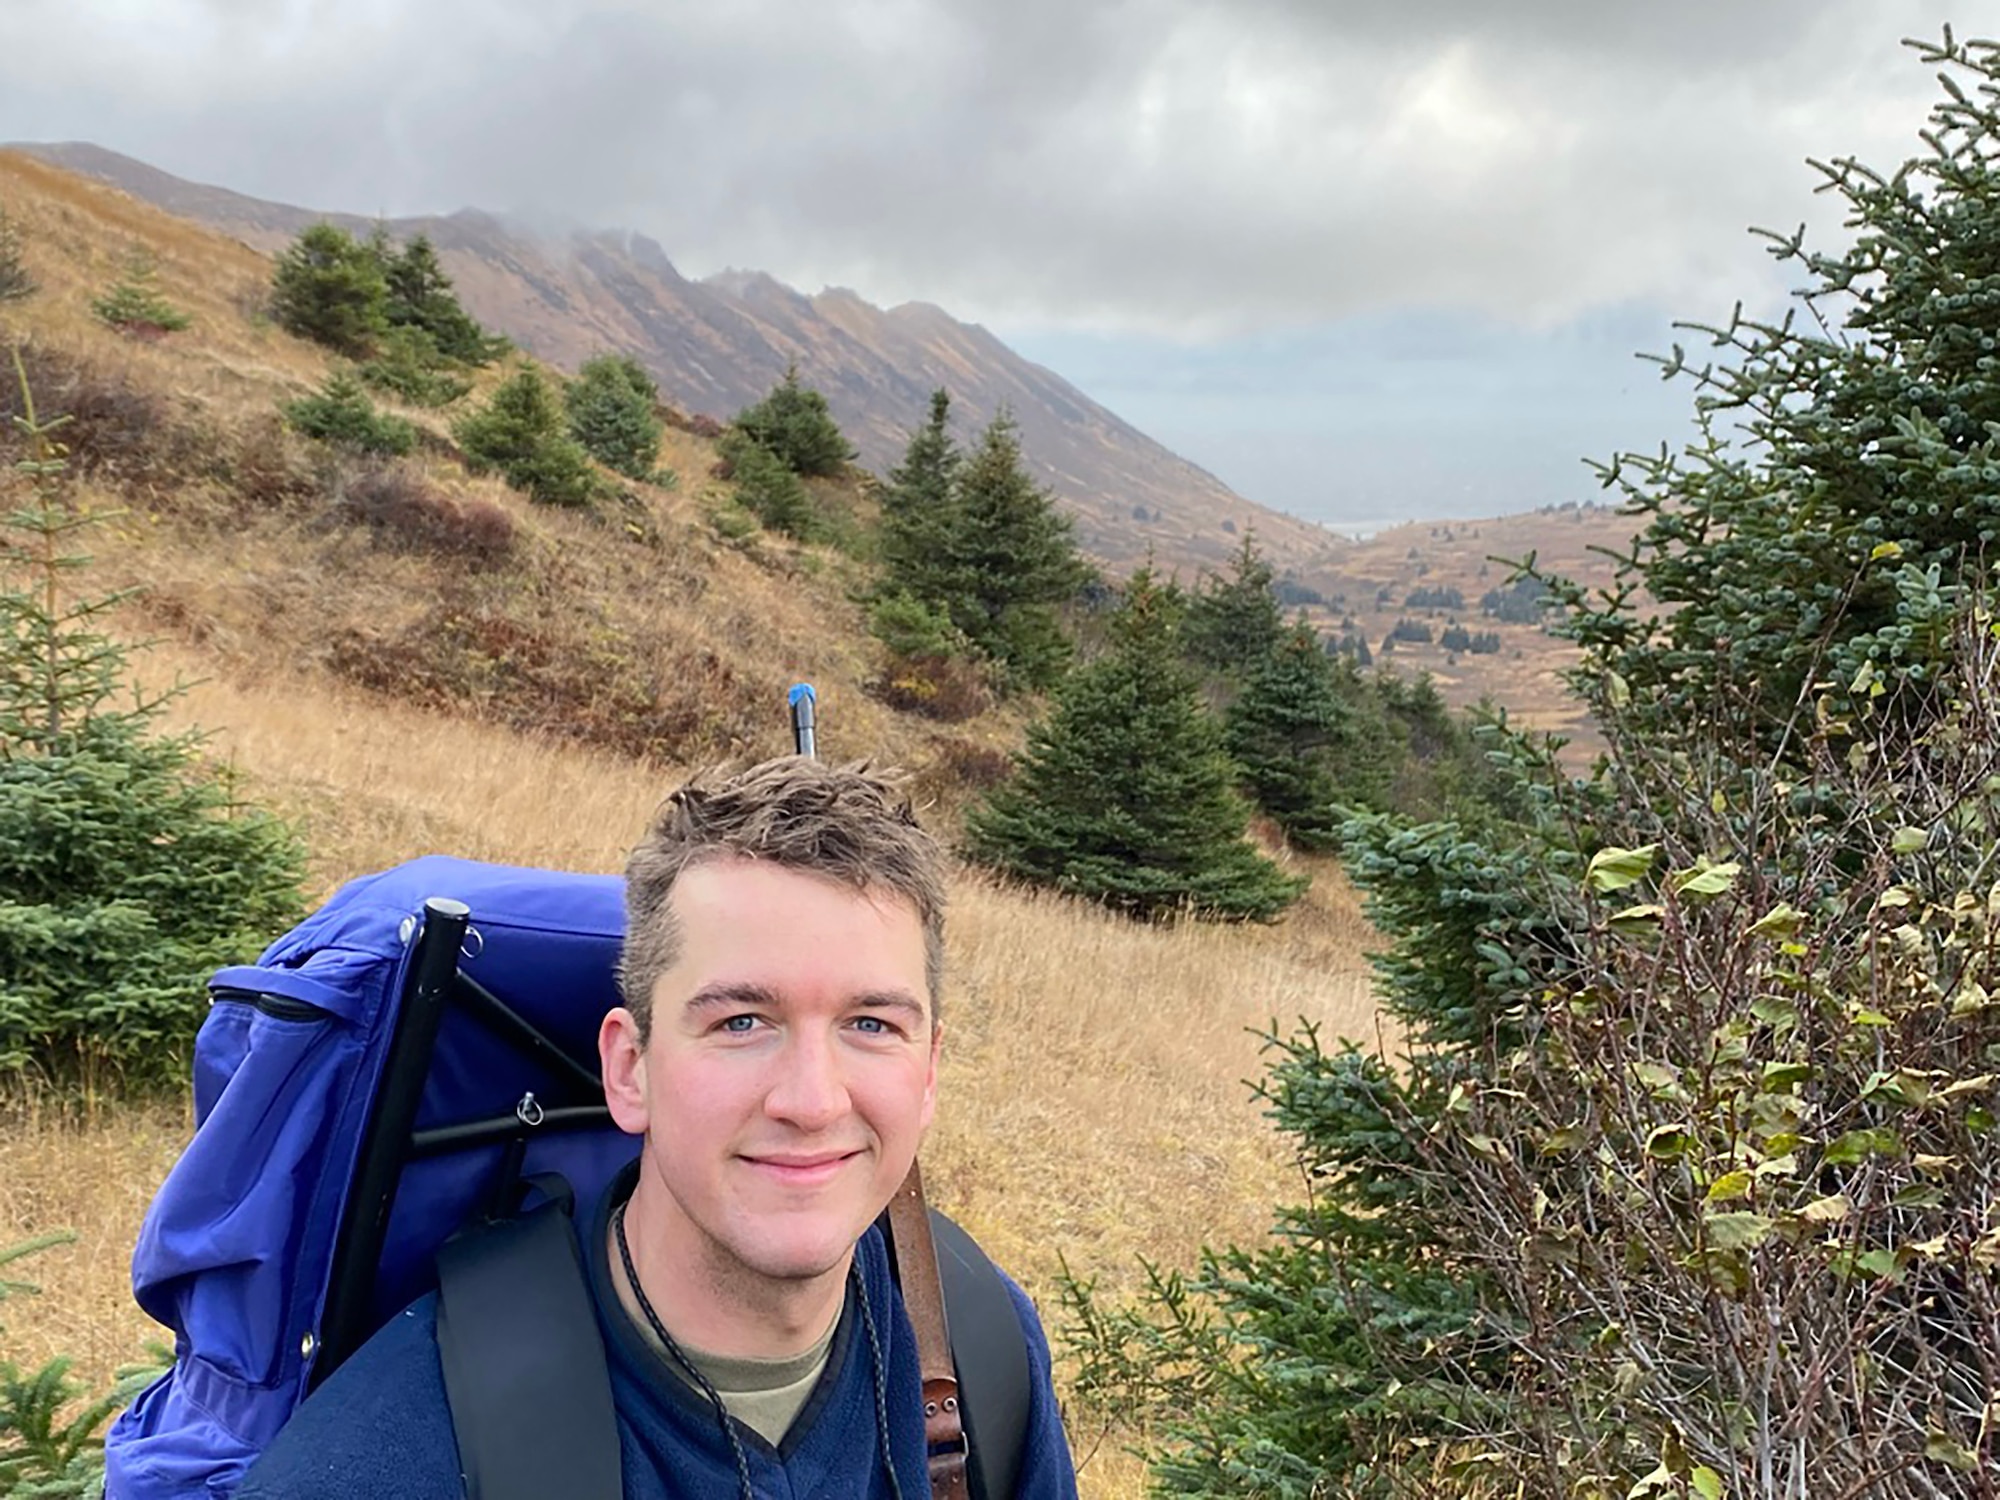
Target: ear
[(621, 1058)]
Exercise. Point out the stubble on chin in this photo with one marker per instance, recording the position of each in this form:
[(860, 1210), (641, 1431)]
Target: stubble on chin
[(741, 1265)]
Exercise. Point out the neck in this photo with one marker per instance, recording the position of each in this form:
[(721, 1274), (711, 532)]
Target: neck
[(710, 1302)]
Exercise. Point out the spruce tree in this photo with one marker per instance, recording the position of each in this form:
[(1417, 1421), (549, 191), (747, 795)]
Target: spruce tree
[(1124, 793), (129, 869), (1009, 561), (613, 410), (931, 667), (520, 434), (793, 424), (920, 512), (1235, 621), (1307, 749), (332, 289), (419, 294), (134, 304)]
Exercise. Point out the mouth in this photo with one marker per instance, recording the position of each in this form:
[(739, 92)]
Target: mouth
[(806, 1170)]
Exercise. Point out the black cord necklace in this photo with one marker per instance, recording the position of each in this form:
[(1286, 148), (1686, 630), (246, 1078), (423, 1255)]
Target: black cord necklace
[(707, 1387), (701, 1381)]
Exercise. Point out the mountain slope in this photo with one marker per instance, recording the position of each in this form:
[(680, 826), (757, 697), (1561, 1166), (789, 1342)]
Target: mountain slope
[(718, 344), (652, 632)]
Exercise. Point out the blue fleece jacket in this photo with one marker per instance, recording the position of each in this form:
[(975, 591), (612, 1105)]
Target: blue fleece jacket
[(380, 1427)]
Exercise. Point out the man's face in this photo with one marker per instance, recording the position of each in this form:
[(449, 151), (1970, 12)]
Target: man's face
[(789, 1076)]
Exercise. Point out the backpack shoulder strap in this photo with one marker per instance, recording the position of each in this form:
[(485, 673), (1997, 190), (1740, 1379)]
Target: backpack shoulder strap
[(973, 1353), (991, 1354), (529, 1388), (937, 1365), (524, 1365)]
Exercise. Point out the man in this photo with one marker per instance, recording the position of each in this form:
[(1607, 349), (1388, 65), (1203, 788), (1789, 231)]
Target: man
[(777, 1050)]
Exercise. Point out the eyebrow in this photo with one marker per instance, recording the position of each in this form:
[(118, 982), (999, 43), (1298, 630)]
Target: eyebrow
[(717, 996), (901, 1000), (725, 996)]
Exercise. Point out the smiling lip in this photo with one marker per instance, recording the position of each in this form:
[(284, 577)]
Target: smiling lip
[(802, 1171)]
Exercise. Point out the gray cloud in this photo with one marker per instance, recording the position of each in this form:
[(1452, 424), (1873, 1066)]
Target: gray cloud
[(1187, 168)]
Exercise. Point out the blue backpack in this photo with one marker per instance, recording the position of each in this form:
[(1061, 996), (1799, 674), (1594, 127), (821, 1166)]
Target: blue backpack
[(375, 1098)]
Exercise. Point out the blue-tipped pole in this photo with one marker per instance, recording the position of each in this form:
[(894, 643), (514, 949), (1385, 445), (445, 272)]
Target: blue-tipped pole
[(803, 700)]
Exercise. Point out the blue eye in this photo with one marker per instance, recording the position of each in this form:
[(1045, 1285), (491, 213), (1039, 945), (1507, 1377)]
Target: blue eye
[(872, 1025), (739, 1024)]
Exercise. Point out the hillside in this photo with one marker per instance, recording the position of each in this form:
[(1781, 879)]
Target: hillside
[(1367, 587), (439, 666), (650, 632), (718, 344)]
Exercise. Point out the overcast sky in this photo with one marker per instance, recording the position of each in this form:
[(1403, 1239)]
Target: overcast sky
[(1364, 260)]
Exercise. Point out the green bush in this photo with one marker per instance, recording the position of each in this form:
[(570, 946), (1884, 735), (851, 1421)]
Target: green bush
[(341, 414), (558, 473), (409, 366), (520, 435), (133, 305), (49, 1443), (129, 866), (330, 288), (733, 523), (929, 668), (613, 409), (768, 489), (909, 627), (794, 425)]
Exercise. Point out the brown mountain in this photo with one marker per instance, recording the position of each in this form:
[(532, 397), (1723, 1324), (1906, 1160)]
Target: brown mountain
[(718, 344)]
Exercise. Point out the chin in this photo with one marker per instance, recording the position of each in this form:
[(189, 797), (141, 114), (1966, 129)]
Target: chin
[(800, 1262)]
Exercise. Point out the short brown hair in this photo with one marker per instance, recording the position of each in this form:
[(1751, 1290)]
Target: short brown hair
[(850, 824)]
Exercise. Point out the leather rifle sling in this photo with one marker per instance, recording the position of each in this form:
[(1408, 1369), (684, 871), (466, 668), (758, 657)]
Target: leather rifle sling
[(923, 1299)]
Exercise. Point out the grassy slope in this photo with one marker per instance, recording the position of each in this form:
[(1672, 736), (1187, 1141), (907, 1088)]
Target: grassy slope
[(1093, 1105), (244, 537), (1369, 582)]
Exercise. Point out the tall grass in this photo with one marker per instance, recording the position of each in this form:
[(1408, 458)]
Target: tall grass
[(1093, 1105)]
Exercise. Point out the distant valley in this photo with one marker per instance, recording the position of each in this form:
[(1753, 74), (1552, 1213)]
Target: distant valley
[(719, 344)]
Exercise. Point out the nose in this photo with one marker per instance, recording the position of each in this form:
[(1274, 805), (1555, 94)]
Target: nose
[(809, 1091)]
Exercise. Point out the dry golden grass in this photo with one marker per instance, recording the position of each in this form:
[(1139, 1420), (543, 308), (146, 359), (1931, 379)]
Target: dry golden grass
[(1094, 1105), (79, 236), (1526, 673), (92, 1175), (1094, 1092)]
